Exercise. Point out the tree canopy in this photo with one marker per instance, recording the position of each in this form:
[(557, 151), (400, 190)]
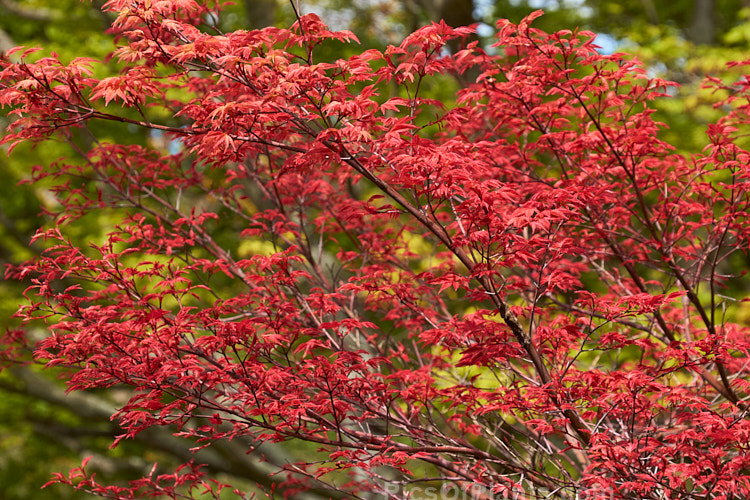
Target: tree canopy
[(283, 264)]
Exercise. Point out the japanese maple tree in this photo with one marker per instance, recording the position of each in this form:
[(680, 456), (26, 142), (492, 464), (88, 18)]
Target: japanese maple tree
[(520, 294)]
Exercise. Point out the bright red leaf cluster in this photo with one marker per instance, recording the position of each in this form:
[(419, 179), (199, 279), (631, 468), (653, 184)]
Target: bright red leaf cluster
[(519, 293)]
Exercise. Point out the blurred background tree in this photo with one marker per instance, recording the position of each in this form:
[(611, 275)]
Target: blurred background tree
[(42, 430)]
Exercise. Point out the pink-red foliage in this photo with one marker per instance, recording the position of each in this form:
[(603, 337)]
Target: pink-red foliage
[(518, 293)]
